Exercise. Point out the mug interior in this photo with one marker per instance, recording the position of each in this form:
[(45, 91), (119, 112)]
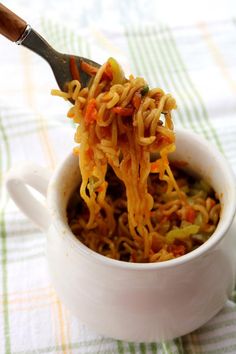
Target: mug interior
[(201, 158)]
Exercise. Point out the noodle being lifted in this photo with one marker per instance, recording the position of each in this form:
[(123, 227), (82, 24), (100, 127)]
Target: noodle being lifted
[(120, 124)]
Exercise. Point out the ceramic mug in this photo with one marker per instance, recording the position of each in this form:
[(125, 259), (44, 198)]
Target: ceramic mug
[(128, 301)]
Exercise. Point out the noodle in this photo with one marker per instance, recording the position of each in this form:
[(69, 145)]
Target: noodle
[(155, 214)]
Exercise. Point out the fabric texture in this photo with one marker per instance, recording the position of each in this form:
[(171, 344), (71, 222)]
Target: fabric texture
[(195, 62)]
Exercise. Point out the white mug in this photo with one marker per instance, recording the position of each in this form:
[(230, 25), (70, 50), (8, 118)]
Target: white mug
[(128, 301)]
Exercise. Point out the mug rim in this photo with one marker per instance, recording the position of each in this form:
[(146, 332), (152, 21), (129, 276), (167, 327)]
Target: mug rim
[(213, 240)]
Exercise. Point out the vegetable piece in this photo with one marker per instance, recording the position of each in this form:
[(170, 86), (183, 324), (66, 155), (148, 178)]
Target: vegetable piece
[(144, 90), (123, 111), (74, 69), (177, 250), (112, 71), (190, 214), (88, 68), (118, 76), (181, 233), (136, 100), (91, 112), (108, 74), (100, 188), (156, 166)]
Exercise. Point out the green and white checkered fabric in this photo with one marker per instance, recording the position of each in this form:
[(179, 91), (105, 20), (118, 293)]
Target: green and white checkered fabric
[(196, 63)]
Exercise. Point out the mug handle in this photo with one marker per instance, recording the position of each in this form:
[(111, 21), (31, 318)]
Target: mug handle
[(18, 181)]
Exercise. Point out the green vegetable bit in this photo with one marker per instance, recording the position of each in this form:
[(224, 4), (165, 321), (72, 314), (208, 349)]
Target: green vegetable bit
[(181, 233), (144, 90)]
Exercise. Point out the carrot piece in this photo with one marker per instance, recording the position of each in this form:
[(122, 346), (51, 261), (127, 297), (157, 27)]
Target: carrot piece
[(156, 166), (88, 68), (74, 69), (123, 111), (136, 100), (177, 250), (108, 74), (190, 214), (92, 70), (100, 189), (91, 112)]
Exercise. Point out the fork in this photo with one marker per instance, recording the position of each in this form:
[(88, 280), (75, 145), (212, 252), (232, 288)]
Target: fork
[(64, 66)]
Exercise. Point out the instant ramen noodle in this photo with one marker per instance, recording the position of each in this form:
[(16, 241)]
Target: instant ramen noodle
[(129, 207)]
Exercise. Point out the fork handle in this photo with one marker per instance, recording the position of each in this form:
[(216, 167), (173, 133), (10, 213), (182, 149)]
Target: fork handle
[(11, 25)]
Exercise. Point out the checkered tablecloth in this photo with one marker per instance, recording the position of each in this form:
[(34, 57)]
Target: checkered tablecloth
[(194, 59)]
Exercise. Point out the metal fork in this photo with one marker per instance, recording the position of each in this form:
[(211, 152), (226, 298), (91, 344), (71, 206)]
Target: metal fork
[(17, 30)]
